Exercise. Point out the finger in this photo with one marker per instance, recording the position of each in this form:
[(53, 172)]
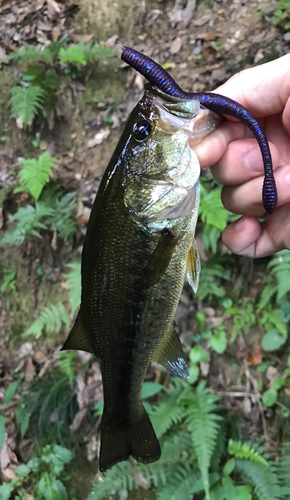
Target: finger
[(264, 90), (211, 148), (246, 198), (250, 238), (242, 161)]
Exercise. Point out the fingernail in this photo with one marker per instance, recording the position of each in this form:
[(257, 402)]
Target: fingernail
[(253, 160), (239, 226)]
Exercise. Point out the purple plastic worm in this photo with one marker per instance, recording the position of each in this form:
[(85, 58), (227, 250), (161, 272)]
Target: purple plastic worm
[(158, 77)]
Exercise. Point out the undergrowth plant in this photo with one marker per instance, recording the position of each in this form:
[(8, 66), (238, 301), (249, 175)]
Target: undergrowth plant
[(41, 477), (53, 210), (198, 457), (39, 83)]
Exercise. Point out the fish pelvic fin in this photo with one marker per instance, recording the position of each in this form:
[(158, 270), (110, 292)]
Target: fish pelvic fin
[(122, 439), (193, 267), (77, 338), (170, 356)]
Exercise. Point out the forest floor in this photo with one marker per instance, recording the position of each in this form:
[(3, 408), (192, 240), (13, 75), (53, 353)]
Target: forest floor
[(202, 43)]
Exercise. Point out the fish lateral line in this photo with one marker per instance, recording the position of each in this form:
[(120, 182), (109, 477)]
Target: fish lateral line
[(159, 77)]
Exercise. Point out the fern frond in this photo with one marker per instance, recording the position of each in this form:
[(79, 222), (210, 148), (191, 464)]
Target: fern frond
[(63, 219), (262, 478), (204, 424), (268, 292), (167, 412), (119, 478), (246, 452), (50, 319), (243, 320), (26, 101), (35, 173), (182, 484), (210, 236), (211, 209), (28, 218), (73, 278), (208, 286), (271, 319), (26, 53), (282, 467), (73, 53), (280, 266), (66, 364), (92, 51)]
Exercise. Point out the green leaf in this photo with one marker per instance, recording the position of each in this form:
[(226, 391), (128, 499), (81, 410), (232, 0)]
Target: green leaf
[(26, 101), (200, 318), (278, 383), (59, 488), (22, 471), (273, 340), (269, 397), (218, 342), (10, 391), (6, 490), (35, 173), (193, 373), (229, 467), (22, 417), (149, 389), (197, 354), (2, 431)]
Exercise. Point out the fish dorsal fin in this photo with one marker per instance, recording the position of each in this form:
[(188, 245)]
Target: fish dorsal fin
[(193, 267), (170, 356), (77, 338), (160, 259)]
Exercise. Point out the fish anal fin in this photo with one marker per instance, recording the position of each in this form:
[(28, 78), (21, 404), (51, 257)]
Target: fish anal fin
[(170, 356), (77, 338), (160, 259), (193, 267), (122, 439)]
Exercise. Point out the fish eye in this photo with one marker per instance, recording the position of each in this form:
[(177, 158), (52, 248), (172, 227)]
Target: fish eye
[(142, 130)]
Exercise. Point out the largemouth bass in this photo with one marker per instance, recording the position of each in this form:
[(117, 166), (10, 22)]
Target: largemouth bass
[(138, 249)]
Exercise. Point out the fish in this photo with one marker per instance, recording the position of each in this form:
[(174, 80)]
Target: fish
[(139, 249)]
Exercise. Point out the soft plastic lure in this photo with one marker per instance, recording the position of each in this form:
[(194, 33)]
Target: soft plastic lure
[(158, 77)]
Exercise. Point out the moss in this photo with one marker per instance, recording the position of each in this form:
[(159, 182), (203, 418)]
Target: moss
[(103, 19)]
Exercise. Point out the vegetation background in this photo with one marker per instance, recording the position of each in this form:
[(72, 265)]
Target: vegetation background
[(65, 96)]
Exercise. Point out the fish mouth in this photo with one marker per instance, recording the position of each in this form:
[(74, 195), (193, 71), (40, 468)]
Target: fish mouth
[(187, 115)]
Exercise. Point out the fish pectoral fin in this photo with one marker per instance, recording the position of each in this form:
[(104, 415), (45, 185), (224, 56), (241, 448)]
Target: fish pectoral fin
[(193, 267), (77, 338), (170, 356), (160, 259)]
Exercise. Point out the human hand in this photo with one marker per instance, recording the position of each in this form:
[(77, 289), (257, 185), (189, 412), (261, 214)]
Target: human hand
[(265, 92)]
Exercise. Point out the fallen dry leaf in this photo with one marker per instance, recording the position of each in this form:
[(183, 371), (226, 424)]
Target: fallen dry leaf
[(29, 370), (100, 136), (271, 374), (55, 32), (176, 45), (255, 357), (54, 5)]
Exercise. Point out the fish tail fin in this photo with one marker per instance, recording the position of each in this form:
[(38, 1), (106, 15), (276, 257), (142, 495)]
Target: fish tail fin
[(119, 440)]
